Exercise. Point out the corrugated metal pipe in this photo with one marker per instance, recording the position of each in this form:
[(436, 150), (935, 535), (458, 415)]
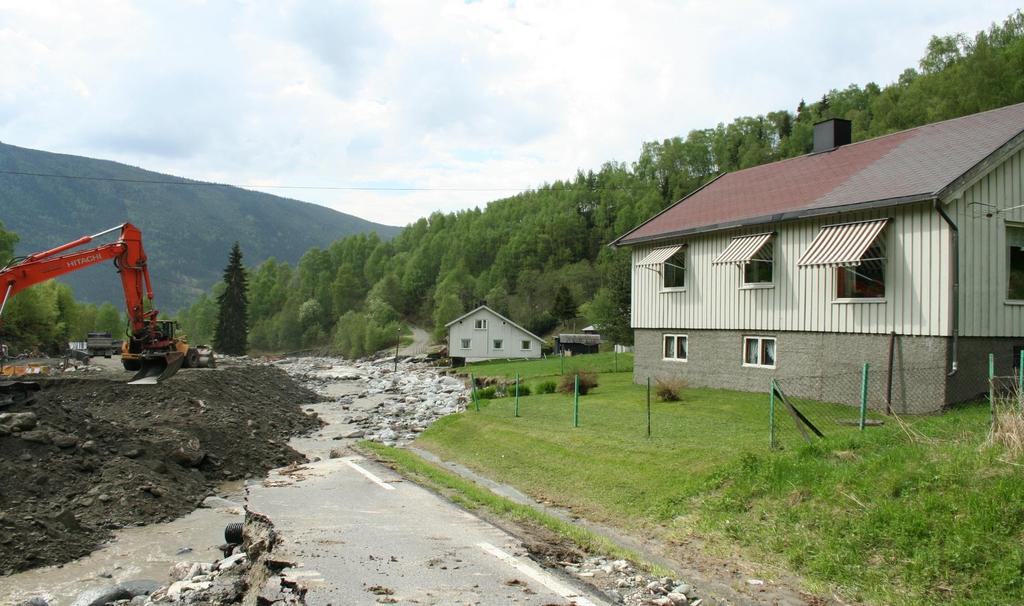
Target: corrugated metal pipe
[(954, 261)]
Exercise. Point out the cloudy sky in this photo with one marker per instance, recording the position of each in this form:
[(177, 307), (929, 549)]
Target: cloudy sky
[(465, 100)]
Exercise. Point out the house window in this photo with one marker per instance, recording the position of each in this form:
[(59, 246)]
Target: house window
[(1015, 264), (675, 347), (466, 343), (525, 345), (480, 324), (758, 270), (759, 351), (674, 270), (498, 344), (866, 280)]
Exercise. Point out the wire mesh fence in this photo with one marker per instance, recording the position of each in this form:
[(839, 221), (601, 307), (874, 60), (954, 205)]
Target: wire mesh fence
[(842, 403)]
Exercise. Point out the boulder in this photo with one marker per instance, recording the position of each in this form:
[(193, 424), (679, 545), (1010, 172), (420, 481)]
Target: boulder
[(101, 595), (18, 421)]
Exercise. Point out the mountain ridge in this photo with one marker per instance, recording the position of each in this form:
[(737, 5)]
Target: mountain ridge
[(50, 198)]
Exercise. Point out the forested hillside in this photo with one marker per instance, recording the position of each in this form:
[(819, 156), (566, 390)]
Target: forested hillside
[(188, 227), (518, 252)]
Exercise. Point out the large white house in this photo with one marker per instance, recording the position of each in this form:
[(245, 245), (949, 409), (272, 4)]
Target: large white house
[(484, 334), (905, 251)]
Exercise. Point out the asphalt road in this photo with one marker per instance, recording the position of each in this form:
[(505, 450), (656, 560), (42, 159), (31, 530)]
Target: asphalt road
[(362, 535)]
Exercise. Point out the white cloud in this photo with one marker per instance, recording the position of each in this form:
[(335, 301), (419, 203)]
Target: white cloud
[(414, 94)]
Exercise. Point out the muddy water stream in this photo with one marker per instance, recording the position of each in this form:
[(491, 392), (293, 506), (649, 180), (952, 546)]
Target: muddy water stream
[(145, 552)]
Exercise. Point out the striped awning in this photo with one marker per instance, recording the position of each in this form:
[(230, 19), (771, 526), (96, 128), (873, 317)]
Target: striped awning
[(658, 256), (842, 245), (742, 249)]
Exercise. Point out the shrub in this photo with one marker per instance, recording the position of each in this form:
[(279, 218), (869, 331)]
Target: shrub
[(487, 393), (546, 387), (588, 381), (524, 389), (668, 390)]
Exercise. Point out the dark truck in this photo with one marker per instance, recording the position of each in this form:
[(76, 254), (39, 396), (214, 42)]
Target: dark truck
[(100, 344)]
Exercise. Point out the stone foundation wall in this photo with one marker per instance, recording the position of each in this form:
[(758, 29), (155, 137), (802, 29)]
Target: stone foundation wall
[(821, 366)]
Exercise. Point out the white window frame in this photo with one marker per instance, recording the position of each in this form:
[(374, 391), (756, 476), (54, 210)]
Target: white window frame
[(526, 345), (664, 272), (884, 245), (466, 343), (498, 344), (480, 324), (743, 269), (675, 347), (760, 351)]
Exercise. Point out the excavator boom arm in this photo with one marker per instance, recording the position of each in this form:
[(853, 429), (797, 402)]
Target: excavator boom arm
[(127, 254)]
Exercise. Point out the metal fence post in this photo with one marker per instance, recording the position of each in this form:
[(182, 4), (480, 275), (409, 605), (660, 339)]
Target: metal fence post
[(1020, 375), (771, 416), (561, 355), (615, 356), (863, 396), (991, 390), (517, 394), (476, 399), (576, 403), (648, 407)]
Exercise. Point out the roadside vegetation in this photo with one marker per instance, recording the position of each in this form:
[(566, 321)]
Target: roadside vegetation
[(914, 513)]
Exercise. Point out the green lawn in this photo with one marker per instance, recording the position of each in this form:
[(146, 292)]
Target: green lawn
[(884, 516), (552, 366)]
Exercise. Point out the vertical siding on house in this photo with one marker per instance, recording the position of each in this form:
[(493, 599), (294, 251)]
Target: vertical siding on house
[(482, 339), (802, 299), (984, 311)]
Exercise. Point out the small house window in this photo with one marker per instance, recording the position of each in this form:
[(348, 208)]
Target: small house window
[(759, 351), (480, 324), (758, 270), (525, 345), (466, 343), (674, 270), (1015, 262), (675, 347), (498, 344), (866, 280)]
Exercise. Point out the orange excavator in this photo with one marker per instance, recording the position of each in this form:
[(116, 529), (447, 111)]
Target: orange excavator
[(151, 347)]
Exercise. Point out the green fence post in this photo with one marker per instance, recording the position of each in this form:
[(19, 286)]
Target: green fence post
[(615, 356), (863, 396), (648, 407), (771, 416), (576, 403), (1020, 376), (517, 395), (476, 400), (991, 390), (561, 355)]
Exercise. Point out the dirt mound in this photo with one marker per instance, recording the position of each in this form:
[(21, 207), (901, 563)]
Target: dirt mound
[(92, 455)]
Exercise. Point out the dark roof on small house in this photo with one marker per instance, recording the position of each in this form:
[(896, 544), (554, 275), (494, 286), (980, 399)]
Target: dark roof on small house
[(582, 339), (909, 166)]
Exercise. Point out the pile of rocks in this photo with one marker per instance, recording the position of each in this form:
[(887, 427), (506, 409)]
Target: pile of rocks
[(624, 584), (407, 401)]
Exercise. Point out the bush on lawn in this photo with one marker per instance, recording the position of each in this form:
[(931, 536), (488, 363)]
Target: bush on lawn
[(588, 381), (487, 393), (669, 390), (524, 389), (547, 387)]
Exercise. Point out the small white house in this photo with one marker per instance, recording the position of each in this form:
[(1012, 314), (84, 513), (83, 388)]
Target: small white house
[(484, 334)]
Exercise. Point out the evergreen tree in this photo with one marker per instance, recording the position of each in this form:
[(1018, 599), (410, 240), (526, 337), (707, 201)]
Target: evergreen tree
[(564, 307), (232, 330)]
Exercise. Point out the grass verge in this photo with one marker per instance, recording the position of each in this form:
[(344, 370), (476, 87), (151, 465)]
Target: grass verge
[(472, 496), (887, 516)]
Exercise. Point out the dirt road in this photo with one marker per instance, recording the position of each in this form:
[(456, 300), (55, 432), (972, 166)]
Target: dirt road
[(420, 343)]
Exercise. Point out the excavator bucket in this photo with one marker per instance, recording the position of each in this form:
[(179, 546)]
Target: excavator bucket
[(156, 368)]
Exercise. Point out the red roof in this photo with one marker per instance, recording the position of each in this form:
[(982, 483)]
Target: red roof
[(907, 166)]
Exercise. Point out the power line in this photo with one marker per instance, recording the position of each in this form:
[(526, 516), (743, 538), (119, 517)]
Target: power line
[(319, 187)]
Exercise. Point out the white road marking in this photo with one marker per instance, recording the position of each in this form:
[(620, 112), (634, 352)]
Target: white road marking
[(379, 482), (537, 575)]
